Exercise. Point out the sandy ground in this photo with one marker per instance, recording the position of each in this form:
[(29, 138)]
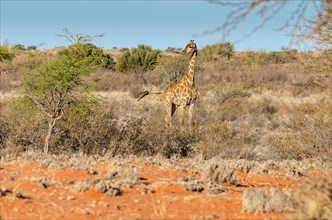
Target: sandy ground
[(147, 191)]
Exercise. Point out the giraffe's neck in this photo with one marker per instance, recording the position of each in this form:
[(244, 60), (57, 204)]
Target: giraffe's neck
[(190, 71)]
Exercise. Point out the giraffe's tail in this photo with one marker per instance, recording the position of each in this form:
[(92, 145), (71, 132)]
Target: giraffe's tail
[(145, 93)]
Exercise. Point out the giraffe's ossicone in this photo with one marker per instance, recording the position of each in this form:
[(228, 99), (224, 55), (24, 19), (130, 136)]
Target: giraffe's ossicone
[(181, 93)]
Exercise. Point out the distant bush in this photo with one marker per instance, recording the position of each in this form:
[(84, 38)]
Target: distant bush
[(255, 58), (18, 47), (32, 47), (138, 59), (88, 54), (5, 54), (216, 51), (173, 49)]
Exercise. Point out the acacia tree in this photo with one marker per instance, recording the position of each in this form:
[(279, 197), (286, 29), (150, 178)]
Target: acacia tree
[(55, 86), (52, 88)]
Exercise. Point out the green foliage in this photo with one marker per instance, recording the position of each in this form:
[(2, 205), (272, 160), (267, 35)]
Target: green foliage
[(216, 52), (138, 59), (5, 54), (32, 47), (88, 54), (57, 85), (18, 47), (52, 84)]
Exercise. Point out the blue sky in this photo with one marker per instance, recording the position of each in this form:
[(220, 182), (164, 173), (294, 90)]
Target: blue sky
[(159, 24)]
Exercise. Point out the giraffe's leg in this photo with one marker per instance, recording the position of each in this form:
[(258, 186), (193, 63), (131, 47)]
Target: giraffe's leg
[(191, 111), (182, 110), (168, 117), (174, 107)]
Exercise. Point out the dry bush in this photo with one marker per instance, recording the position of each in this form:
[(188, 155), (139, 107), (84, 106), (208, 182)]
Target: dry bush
[(267, 200), (108, 81), (235, 72), (25, 125), (236, 131), (86, 127), (4, 131), (220, 173), (23, 62), (169, 69), (107, 188), (309, 135), (125, 174), (220, 139), (83, 128), (224, 91), (314, 200), (310, 73), (142, 137)]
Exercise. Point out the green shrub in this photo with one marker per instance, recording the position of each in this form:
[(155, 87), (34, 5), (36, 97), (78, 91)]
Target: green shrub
[(88, 54), (216, 52), (5, 54), (18, 47), (57, 85), (32, 47), (138, 59)]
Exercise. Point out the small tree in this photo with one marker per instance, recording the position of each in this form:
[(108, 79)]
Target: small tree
[(55, 86), (52, 88)]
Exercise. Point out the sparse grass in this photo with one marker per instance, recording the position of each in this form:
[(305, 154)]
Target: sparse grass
[(267, 200), (249, 107)]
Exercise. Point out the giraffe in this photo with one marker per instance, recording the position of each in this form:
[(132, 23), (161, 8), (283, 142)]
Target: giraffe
[(181, 93)]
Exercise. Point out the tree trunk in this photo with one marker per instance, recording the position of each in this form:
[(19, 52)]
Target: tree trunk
[(48, 136)]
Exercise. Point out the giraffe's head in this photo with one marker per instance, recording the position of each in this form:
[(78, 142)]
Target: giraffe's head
[(191, 47)]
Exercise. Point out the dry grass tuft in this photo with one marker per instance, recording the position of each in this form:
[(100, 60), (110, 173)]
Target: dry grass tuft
[(314, 201), (267, 200)]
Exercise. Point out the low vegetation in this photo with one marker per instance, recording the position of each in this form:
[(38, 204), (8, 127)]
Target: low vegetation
[(140, 59), (252, 105)]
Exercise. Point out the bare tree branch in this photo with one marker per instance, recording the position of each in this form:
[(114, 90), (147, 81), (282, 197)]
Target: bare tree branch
[(302, 27), (78, 38), (39, 105)]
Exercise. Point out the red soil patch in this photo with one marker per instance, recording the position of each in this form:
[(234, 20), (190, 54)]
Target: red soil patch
[(165, 198)]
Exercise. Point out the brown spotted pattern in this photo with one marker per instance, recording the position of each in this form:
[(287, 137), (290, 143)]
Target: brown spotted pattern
[(182, 93)]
